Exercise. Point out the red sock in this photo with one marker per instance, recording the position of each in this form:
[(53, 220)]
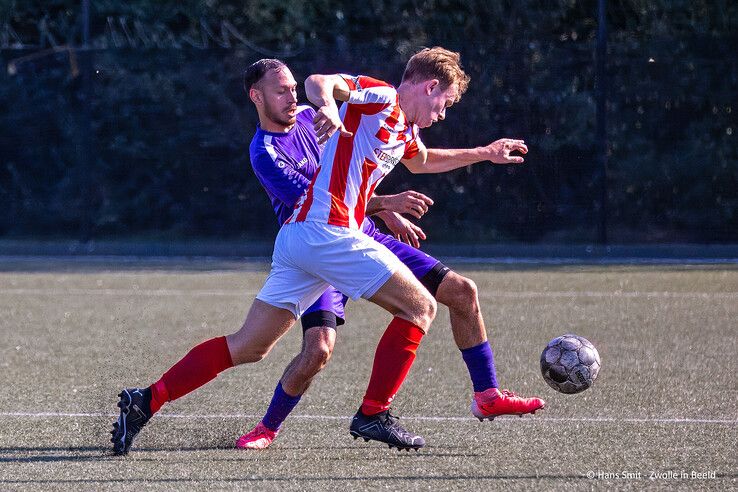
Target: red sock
[(201, 365), (392, 361)]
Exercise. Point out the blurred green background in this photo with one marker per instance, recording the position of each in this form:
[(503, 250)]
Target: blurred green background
[(145, 133)]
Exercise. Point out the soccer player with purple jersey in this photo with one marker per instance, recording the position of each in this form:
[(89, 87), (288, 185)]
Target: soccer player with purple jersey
[(320, 245), (285, 156)]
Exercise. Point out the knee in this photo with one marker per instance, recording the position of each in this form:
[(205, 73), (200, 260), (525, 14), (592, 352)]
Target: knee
[(248, 355), (244, 353), (315, 357), (319, 355), (463, 294)]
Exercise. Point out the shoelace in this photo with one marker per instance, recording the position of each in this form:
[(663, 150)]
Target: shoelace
[(508, 393), (392, 419)]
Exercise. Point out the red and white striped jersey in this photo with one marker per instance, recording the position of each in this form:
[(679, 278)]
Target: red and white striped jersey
[(352, 167)]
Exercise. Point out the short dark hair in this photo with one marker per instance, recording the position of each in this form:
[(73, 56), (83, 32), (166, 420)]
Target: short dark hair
[(258, 69)]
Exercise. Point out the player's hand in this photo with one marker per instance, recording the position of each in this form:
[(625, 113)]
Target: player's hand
[(327, 122), (499, 151), (403, 229), (408, 202)]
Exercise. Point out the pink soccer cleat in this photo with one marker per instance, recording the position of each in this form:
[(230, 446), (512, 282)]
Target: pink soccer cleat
[(260, 437), (492, 403)]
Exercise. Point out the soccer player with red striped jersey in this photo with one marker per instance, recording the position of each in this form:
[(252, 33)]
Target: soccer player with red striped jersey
[(381, 124), (284, 155), (321, 245)]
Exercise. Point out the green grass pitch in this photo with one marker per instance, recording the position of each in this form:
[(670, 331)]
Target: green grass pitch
[(665, 404)]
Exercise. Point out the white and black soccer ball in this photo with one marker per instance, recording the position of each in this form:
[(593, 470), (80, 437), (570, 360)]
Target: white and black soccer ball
[(570, 364)]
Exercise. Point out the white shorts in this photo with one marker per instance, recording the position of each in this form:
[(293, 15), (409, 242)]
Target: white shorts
[(312, 256)]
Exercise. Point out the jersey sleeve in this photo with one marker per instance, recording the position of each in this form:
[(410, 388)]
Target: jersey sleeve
[(368, 94), (278, 178), (412, 148)]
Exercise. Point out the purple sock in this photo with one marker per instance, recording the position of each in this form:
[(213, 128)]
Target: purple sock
[(280, 407), (481, 364)]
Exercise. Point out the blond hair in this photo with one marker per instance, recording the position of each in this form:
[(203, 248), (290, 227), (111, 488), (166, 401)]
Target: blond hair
[(437, 63)]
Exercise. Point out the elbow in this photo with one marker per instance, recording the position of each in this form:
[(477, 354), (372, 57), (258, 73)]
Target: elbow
[(313, 80), (314, 83), (318, 81)]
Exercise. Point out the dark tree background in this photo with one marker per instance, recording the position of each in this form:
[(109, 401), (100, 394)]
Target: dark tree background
[(145, 134)]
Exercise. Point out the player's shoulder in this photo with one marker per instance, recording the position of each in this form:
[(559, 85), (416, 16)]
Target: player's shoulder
[(362, 82), (261, 151), (257, 143), (305, 114)]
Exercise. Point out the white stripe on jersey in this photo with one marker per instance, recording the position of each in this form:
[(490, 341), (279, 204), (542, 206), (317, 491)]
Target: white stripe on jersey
[(377, 95), (302, 108), (269, 146)]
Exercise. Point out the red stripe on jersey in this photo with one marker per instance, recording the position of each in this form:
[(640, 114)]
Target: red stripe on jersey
[(392, 120), (411, 150), (366, 82), (370, 108), (350, 82), (369, 193), (308, 199), (339, 174), (394, 117), (366, 172), (383, 134)]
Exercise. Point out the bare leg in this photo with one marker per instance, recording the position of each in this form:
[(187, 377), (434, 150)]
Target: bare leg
[(460, 295), (264, 326), (317, 347), (405, 297)]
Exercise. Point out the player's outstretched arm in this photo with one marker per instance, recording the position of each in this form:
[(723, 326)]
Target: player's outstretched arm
[(323, 91), (443, 160), (408, 202)]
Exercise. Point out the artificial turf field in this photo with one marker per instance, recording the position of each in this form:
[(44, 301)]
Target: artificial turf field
[(76, 331)]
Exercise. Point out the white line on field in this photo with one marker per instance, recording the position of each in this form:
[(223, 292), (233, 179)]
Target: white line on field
[(130, 292), (615, 420), (585, 261), (501, 294), (226, 262), (611, 294)]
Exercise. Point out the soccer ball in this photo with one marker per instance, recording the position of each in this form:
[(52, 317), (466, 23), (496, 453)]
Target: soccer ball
[(570, 364)]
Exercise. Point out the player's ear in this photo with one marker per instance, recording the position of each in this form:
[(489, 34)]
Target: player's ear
[(256, 96), (430, 85)]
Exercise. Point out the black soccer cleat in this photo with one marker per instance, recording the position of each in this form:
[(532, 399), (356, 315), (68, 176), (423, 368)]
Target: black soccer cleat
[(135, 412), (383, 427)]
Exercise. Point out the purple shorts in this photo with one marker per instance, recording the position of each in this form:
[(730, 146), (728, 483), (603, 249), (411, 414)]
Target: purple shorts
[(329, 308)]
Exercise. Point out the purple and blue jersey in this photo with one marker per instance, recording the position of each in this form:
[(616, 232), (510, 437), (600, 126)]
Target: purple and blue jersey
[(285, 163)]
